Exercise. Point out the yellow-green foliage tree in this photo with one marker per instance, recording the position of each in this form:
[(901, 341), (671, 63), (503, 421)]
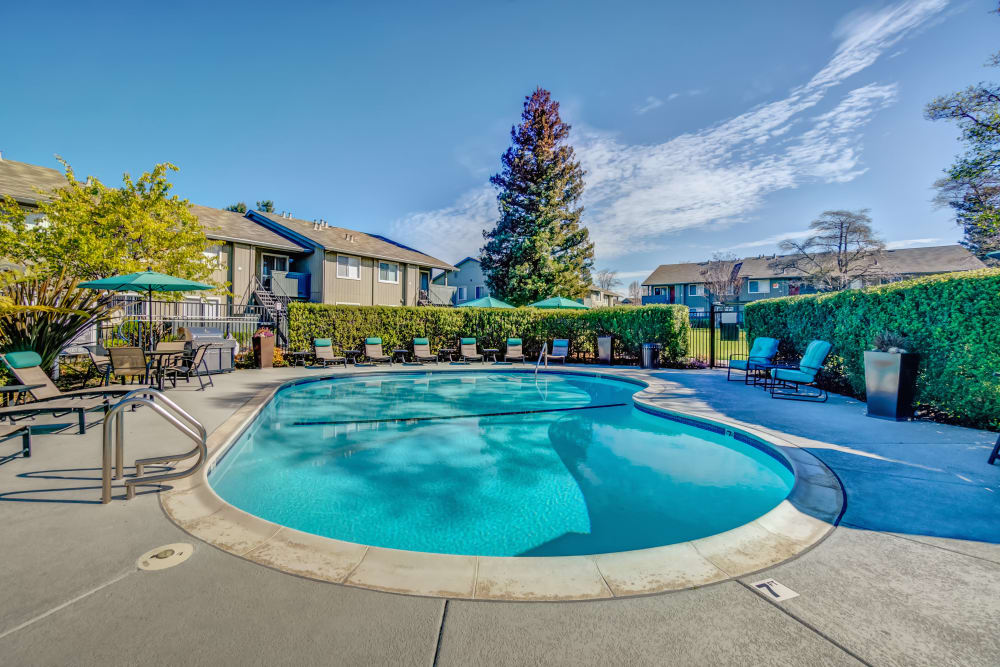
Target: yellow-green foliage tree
[(93, 231)]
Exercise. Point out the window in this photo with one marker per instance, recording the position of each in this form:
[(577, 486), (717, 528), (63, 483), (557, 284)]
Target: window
[(461, 294), (480, 292), (758, 286), (269, 263), (213, 252), (694, 290), (388, 272), (348, 267)]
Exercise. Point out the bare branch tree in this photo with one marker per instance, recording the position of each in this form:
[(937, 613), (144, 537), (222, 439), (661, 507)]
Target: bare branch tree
[(842, 249), (722, 277), (607, 279), (635, 293)]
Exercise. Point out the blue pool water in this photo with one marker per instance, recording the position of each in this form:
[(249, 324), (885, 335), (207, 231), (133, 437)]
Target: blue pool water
[(583, 472)]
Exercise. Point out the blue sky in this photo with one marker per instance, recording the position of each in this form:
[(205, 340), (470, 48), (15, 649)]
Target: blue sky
[(702, 130)]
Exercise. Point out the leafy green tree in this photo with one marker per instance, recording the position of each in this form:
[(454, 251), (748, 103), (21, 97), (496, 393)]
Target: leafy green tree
[(238, 207), (265, 206), (538, 248), (93, 231), (972, 185)]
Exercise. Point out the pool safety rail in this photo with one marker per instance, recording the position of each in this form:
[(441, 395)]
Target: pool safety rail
[(543, 356), (170, 411)]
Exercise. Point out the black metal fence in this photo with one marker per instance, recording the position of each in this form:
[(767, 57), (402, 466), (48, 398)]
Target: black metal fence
[(716, 334), (131, 324)]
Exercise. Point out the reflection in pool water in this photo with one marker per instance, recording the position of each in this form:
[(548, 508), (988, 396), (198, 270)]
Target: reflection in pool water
[(563, 465)]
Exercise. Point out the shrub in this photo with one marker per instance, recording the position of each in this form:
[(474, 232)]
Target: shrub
[(348, 326), (952, 321)]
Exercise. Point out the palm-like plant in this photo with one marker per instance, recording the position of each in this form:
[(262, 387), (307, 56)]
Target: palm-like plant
[(43, 312)]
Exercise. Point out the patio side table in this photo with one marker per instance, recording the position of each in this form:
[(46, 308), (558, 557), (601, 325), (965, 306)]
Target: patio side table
[(491, 352), (447, 352)]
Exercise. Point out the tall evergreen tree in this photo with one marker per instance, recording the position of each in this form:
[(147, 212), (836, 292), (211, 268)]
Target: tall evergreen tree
[(238, 207), (538, 248)]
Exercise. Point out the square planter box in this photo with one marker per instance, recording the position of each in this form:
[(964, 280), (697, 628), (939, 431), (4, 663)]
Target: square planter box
[(263, 351), (890, 383)]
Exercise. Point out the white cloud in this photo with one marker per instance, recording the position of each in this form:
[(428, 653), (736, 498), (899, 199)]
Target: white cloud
[(910, 243), (773, 240), (638, 195), (650, 104)]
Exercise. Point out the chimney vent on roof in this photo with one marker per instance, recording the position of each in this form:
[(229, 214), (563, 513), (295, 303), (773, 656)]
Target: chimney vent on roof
[(1, 156)]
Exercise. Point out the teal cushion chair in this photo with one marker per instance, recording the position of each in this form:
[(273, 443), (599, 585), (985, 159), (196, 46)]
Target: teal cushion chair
[(373, 351), (761, 353), (422, 351), (791, 383)]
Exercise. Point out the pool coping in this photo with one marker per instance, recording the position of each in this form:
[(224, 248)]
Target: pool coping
[(810, 512)]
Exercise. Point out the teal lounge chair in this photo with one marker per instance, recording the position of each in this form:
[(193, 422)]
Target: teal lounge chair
[(761, 353), (560, 350), (514, 351), (323, 353), (469, 351), (373, 351), (788, 383), (25, 366), (422, 351)]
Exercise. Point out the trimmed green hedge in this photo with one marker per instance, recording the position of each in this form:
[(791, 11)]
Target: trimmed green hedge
[(348, 326), (952, 322)]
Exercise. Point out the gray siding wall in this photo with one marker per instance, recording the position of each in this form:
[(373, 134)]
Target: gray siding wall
[(470, 276)]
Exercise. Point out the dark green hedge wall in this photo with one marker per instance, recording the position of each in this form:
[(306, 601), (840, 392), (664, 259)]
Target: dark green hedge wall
[(952, 321), (348, 326)]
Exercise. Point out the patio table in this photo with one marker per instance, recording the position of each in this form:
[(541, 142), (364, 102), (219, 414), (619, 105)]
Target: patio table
[(447, 352), (402, 354), (300, 357), (20, 390), (158, 357), (491, 352)]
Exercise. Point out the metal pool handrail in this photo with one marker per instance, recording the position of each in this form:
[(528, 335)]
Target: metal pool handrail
[(114, 420), (544, 354)]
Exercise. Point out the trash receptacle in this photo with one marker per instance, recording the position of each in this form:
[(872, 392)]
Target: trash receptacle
[(604, 350), (650, 355)]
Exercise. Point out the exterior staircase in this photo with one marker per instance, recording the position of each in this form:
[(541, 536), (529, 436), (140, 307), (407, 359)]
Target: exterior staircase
[(276, 308)]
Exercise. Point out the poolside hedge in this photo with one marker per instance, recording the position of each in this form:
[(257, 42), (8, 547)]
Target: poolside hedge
[(952, 322), (347, 326)]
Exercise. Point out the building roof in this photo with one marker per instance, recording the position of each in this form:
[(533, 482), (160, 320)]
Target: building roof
[(595, 288), (899, 262), (230, 226), (22, 181), (349, 241)]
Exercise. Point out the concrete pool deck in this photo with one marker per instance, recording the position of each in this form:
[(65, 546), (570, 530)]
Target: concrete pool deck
[(910, 576)]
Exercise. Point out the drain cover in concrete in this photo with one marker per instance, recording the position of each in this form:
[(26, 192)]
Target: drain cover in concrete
[(772, 590), (166, 556)]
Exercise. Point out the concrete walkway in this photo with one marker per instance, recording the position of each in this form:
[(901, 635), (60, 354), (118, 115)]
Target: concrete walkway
[(912, 575)]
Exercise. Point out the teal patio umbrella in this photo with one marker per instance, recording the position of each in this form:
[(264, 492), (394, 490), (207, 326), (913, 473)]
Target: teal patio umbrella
[(485, 302), (558, 302), (149, 282)]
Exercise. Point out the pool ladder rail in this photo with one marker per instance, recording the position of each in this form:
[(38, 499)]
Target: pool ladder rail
[(170, 411), (543, 356)]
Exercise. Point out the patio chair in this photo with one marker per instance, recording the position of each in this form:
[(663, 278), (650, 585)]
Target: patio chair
[(560, 350), (514, 352), (100, 363), (26, 368), (195, 365), (173, 365), (469, 351), (787, 383), (323, 353), (422, 351), (761, 353), (373, 351), (129, 363)]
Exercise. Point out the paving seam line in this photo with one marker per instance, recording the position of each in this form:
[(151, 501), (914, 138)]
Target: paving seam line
[(805, 624), (926, 544), (62, 606), (440, 637)]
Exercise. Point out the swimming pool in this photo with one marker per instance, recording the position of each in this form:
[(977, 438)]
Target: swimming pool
[(493, 464)]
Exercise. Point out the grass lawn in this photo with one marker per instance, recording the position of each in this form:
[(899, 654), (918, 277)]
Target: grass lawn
[(698, 344)]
